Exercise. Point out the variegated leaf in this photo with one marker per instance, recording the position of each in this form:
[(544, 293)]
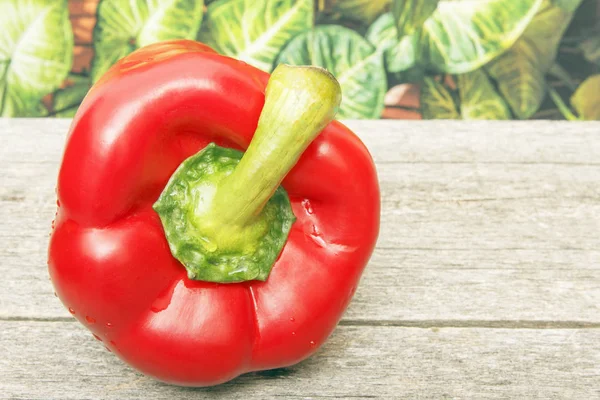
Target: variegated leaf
[(399, 55), (355, 63), (586, 100), (411, 14), (255, 31), (478, 97), (591, 47), (567, 5), (68, 99), (36, 53), (437, 101), (124, 26), (462, 35), (520, 72), (364, 11)]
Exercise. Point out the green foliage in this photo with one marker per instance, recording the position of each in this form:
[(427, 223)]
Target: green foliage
[(474, 98), (521, 71), (586, 100), (362, 11), (399, 55), (356, 64), (455, 37), (591, 48), (500, 53), (411, 14), (479, 99), (36, 53), (67, 100), (567, 5), (255, 31), (461, 36), (519, 55), (436, 101), (124, 26), (38, 110)]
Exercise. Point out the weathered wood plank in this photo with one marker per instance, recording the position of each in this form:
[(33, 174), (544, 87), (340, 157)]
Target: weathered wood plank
[(59, 360), (399, 286), (488, 229), (514, 142), (458, 206), (471, 232), (490, 206)]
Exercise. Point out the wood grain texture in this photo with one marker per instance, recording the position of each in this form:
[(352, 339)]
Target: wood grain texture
[(462, 238), (485, 282), (65, 362)]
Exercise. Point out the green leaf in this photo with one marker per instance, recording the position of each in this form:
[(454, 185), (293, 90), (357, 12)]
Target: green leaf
[(591, 48), (479, 99), (412, 75), (36, 53), (255, 31), (586, 99), (462, 35), (37, 111), (124, 26), (67, 100), (399, 55), (437, 101), (560, 104), (568, 5), (520, 72), (411, 14), (355, 63), (363, 11)]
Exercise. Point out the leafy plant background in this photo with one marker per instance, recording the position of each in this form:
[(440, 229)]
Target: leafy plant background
[(402, 59)]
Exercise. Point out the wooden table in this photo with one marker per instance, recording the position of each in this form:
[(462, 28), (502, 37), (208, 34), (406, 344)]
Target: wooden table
[(485, 282)]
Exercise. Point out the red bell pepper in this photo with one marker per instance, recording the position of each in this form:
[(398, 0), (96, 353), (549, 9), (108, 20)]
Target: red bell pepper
[(172, 251)]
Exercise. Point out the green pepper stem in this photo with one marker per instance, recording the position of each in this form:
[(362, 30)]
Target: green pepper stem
[(299, 103)]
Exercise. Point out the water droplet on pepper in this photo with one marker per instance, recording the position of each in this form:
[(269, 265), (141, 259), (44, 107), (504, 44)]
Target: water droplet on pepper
[(90, 320), (163, 300), (307, 206), (316, 236)]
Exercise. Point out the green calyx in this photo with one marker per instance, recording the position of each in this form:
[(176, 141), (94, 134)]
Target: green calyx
[(209, 252), (224, 213)]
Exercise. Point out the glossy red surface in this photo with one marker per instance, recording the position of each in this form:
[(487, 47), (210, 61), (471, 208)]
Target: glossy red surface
[(110, 262)]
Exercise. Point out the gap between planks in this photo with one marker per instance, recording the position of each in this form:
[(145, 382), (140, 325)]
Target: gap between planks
[(480, 162), (424, 324)]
